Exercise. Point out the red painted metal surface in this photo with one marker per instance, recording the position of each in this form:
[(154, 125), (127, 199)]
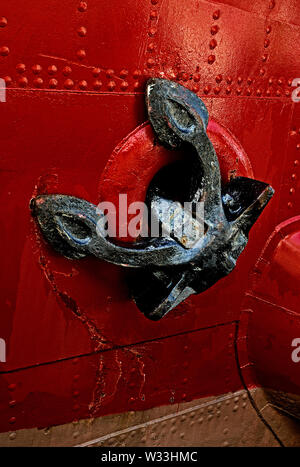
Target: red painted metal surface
[(77, 346)]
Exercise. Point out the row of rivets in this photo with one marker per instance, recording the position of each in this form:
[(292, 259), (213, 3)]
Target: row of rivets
[(4, 50), (294, 133), (159, 431), (152, 30), (213, 42)]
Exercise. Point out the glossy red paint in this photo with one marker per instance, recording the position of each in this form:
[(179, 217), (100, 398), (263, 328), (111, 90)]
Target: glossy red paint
[(76, 78)]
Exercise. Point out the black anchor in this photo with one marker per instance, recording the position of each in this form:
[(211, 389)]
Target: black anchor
[(168, 269)]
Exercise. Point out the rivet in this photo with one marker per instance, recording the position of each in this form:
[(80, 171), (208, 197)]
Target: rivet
[(136, 85), (150, 62), (264, 57), (82, 31), (211, 59), (12, 403), (137, 74), (23, 82), (81, 54), (216, 14), (236, 399), (229, 80), (249, 80), (110, 73), (240, 80), (36, 69), (3, 22), (200, 420), (287, 93), (154, 2), (185, 380), (272, 4), (214, 29), (248, 92), (68, 84), (123, 73), (75, 434), (21, 68), (82, 6), (8, 80), (152, 32), (218, 413), (181, 435), (206, 89), (245, 396), (210, 408), (124, 85), (278, 93), (226, 418), (76, 393), (150, 47), (183, 418), (173, 429), (225, 444), (82, 84), (213, 44), (131, 400), (268, 92), (217, 90), (269, 29), (239, 91), (4, 51), (196, 77), (76, 407), (153, 14), (292, 191), (12, 435), (192, 414), (52, 69), (111, 85), (262, 71), (225, 431), (195, 89), (290, 205), (183, 396), (38, 82), (244, 405), (235, 408), (227, 402), (53, 83), (12, 420), (258, 92), (209, 417), (67, 70)]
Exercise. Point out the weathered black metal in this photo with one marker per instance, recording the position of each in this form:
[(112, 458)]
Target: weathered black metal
[(168, 270)]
